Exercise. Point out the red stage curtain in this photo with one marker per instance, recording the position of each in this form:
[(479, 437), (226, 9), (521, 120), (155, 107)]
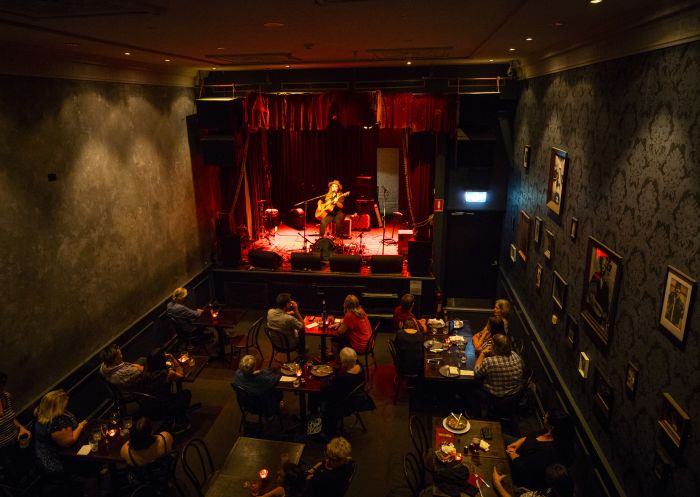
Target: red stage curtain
[(421, 173), (436, 113)]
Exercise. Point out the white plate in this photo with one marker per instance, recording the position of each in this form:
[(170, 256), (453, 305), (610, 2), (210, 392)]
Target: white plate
[(458, 324), (445, 371), (436, 349), (452, 430)]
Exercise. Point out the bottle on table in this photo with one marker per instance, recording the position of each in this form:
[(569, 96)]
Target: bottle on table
[(324, 314)]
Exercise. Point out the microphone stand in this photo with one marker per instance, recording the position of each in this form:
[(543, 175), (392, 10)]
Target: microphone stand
[(306, 202)]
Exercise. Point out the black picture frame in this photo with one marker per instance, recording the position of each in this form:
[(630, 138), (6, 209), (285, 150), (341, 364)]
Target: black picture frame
[(537, 233), (674, 422), (601, 287), (676, 305), (559, 286), (526, 157), (548, 245), (631, 380), (513, 253), (603, 396), (522, 238), (573, 228), (571, 333), (556, 185)]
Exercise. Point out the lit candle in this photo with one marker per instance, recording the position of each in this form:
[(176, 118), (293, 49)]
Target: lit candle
[(458, 456), (263, 473), (214, 313)]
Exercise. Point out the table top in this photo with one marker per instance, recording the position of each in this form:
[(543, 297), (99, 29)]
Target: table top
[(108, 452), (191, 372), (480, 463), (318, 330), (227, 318), (311, 384), (450, 356), (245, 460)]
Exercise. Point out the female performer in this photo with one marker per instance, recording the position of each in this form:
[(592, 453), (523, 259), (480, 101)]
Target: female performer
[(330, 207)]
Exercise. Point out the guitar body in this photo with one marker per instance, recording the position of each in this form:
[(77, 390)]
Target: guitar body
[(325, 208)]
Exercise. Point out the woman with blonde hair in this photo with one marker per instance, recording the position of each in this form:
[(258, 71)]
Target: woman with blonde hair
[(55, 428), (330, 477), (355, 328), (501, 314)]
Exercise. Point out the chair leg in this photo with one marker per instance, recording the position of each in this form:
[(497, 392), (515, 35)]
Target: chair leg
[(367, 366), (362, 423)]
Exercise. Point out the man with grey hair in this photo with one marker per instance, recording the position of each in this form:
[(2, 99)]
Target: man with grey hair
[(259, 383)]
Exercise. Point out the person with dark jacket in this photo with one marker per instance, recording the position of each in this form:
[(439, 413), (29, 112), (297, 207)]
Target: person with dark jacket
[(330, 477), (259, 383), (161, 373)]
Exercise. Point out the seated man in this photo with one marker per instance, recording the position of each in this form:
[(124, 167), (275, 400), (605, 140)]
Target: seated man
[(260, 384), (286, 319), (500, 370), (123, 375), (180, 313), (409, 349), (404, 313)]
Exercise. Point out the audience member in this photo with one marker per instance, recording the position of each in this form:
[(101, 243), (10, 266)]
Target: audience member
[(557, 477), (330, 477), (286, 319), (54, 429), (144, 453), (501, 370), (336, 388), (450, 479), (531, 455), (355, 329), (260, 383), (124, 375), (157, 380), (11, 430), (484, 339), (403, 315), (293, 482), (180, 313), (409, 349)]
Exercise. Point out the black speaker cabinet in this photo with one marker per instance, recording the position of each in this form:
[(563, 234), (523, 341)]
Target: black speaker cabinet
[(218, 150), (419, 257), (387, 264), (264, 259), (363, 187), (302, 261), (346, 263), (295, 218), (217, 115), (230, 250)]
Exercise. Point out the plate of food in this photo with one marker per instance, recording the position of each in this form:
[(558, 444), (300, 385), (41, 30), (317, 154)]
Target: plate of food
[(437, 348), (449, 371), (321, 370), (455, 424), (457, 323), (289, 368), (446, 452)]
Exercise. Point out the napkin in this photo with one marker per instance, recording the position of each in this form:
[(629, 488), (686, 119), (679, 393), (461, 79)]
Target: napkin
[(454, 370), (484, 445), (84, 450), (466, 372), (286, 379), (312, 325)]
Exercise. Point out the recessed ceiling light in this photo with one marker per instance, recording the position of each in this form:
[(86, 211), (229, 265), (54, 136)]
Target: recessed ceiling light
[(273, 25), (213, 68), (528, 38), (596, 1), (220, 48), (408, 62), (287, 66), (127, 53), (490, 60), (167, 60), (511, 49)]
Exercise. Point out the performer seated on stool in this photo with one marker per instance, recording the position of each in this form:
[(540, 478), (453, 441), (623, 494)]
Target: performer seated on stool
[(330, 207)]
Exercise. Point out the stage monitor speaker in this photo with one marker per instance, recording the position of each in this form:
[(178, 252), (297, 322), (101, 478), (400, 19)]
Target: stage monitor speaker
[(419, 257), (295, 219), (218, 150), (264, 259), (230, 250), (217, 115), (304, 261), (346, 263), (363, 187), (387, 264)]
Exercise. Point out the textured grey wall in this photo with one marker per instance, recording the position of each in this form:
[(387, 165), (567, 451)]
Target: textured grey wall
[(632, 130), (86, 255)]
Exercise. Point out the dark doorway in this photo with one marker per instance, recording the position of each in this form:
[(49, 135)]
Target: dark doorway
[(472, 252)]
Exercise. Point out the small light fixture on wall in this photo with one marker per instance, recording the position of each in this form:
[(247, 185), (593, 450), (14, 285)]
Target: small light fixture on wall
[(475, 197)]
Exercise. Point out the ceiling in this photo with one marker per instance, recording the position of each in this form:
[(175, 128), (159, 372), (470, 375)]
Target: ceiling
[(187, 36)]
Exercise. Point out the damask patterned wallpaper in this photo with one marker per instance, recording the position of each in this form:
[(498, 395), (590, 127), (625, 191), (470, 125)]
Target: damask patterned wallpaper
[(631, 128)]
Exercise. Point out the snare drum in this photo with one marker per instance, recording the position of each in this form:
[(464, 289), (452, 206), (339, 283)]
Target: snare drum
[(271, 218), (327, 246)]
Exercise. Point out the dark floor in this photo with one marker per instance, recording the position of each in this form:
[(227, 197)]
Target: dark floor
[(379, 452)]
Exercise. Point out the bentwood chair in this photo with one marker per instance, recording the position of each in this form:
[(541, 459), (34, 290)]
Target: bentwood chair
[(412, 470), (355, 402), (198, 465), (369, 350), (280, 344), (242, 344), (400, 375), (256, 405)]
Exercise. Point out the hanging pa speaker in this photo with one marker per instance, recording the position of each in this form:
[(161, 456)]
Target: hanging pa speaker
[(303, 261), (264, 259), (346, 263), (387, 264)]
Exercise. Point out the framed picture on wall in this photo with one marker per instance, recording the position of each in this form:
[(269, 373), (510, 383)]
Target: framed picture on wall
[(601, 286), (602, 396), (679, 294), (573, 229), (526, 157), (631, 379), (513, 252), (583, 364), (571, 333), (559, 290), (556, 187), (523, 238), (538, 276), (548, 245), (538, 230), (674, 421)]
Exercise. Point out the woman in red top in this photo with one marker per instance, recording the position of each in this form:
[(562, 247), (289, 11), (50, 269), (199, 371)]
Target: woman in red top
[(355, 328)]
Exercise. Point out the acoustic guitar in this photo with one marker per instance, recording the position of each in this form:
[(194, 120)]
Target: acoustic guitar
[(324, 208)]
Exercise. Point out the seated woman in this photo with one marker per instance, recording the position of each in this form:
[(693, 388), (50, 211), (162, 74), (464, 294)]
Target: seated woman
[(337, 388), (56, 428), (158, 379), (559, 483), (483, 340), (500, 310), (409, 347), (293, 482), (330, 477), (260, 384), (531, 455), (404, 312), (355, 330), (10, 432), (144, 453)]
